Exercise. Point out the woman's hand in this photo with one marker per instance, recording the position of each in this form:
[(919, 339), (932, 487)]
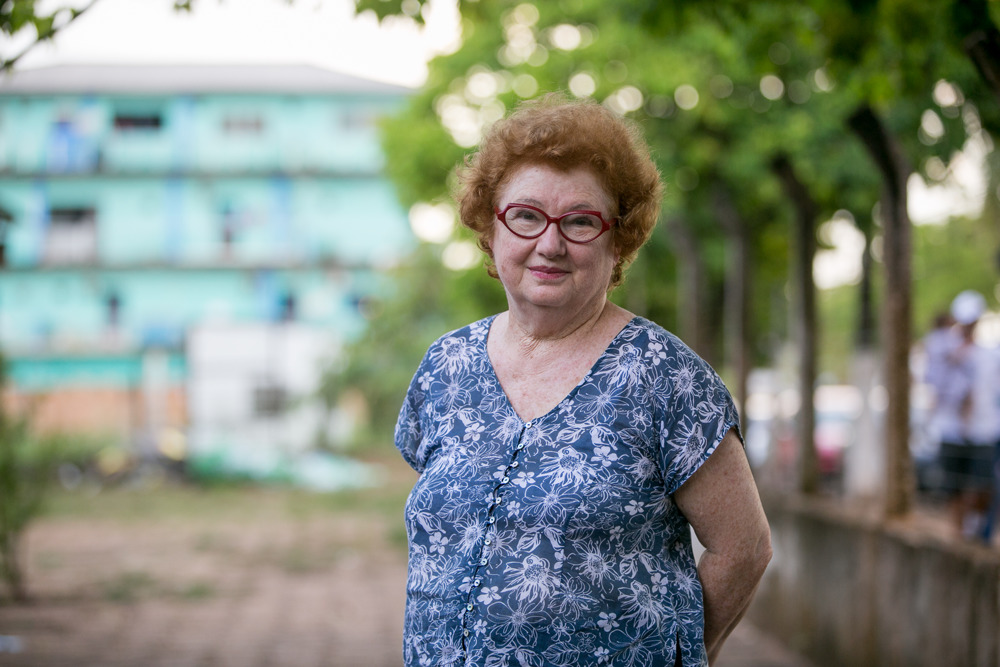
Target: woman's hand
[(721, 502)]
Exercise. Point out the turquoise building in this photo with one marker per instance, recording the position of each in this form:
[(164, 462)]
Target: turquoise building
[(142, 204)]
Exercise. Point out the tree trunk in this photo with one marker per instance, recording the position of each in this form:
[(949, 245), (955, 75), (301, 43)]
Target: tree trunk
[(690, 287), (805, 292), (981, 40), (866, 331), (737, 296), (896, 324), (10, 567)]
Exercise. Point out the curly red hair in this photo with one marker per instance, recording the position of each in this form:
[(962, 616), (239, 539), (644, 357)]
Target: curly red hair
[(566, 134)]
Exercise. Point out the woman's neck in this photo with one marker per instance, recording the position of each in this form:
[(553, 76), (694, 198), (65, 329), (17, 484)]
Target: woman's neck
[(540, 328)]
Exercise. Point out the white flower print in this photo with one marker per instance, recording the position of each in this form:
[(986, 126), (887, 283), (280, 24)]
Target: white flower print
[(655, 353), (604, 456), (607, 622), (567, 466), (627, 367), (634, 507), (685, 379), (474, 431), (438, 542), (425, 381), (595, 563), (531, 579), (575, 600), (488, 594), (523, 479), (518, 624), (640, 605), (643, 468), (452, 355), (471, 532)]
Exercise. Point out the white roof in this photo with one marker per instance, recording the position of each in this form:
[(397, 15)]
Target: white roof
[(189, 79)]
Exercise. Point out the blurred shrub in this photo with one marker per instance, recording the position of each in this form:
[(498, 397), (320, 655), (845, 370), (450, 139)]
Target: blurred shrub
[(28, 465)]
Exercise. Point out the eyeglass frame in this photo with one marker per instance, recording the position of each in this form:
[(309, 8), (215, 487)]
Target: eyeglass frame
[(605, 224)]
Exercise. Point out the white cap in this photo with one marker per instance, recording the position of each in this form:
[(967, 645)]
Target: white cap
[(968, 307)]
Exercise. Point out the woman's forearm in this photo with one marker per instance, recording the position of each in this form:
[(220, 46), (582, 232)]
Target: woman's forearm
[(728, 585)]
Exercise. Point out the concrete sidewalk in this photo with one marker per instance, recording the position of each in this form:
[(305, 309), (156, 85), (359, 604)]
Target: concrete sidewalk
[(749, 647)]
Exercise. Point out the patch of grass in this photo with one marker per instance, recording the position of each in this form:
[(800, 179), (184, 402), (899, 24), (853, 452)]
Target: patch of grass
[(198, 590), (234, 502), (129, 587)]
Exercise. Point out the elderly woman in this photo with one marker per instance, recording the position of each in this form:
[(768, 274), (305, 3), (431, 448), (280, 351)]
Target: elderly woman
[(566, 446)]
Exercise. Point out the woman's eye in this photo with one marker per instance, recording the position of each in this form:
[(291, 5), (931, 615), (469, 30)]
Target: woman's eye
[(587, 221), (526, 214)]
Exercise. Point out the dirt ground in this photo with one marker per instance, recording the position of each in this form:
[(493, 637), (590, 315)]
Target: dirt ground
[(243, 578)]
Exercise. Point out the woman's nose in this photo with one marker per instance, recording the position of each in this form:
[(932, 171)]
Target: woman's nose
[(551, 242)]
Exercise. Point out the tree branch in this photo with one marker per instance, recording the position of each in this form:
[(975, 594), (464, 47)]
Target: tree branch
[(74, 14)]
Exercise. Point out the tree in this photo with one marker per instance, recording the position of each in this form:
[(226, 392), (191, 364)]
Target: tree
[(26, 467)]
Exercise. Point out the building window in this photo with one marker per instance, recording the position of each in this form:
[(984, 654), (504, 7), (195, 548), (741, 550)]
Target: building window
[(287, 307), (72, 236), (113, 309), (242, 125), (6, 220), (356, 120), (269, 400), (128, 122)]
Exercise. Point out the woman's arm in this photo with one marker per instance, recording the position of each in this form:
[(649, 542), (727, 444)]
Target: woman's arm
[(720, 501)]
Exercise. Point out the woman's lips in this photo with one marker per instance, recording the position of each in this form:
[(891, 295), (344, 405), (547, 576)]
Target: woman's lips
[(547, 272)]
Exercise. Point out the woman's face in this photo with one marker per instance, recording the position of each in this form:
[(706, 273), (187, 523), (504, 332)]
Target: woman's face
[(549, 271)]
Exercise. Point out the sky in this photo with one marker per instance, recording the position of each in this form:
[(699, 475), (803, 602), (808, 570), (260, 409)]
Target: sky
[(317, 32)]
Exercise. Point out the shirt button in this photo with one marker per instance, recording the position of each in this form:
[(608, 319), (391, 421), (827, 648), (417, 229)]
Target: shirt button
[(482, 561), (514, 464), (492, 519), (488, 541), (466, 633), (469, 606), (505, 479), (520, 445)]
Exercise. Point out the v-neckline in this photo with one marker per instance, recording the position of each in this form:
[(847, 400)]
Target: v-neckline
[(495, 378)]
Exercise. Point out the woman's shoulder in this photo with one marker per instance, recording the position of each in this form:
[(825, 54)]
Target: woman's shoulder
[(642, 330), (472, 332)]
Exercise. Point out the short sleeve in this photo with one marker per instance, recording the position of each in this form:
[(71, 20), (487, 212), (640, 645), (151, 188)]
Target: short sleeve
[(409, 433), (694, 411)]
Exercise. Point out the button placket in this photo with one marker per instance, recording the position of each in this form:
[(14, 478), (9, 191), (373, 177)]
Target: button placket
[(495, 500)]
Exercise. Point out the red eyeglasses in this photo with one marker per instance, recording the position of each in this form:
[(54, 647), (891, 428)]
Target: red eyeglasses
[(530, 222)]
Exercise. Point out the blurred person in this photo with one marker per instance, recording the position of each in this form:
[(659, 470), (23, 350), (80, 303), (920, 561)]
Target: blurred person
[(989, 413), (566, 446), (938, 345), (967, 419)]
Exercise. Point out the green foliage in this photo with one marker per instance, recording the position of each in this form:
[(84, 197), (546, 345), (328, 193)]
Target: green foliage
[(963, 254), (427, 301), (18, 15), (27, 466)]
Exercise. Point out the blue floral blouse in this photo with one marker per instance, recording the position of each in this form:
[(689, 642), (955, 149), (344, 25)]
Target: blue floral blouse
[(557, 541)]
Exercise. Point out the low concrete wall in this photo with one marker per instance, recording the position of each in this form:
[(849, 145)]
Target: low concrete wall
[(845, 588)]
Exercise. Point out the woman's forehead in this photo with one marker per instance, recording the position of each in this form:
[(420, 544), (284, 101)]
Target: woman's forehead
[(541, 183)]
